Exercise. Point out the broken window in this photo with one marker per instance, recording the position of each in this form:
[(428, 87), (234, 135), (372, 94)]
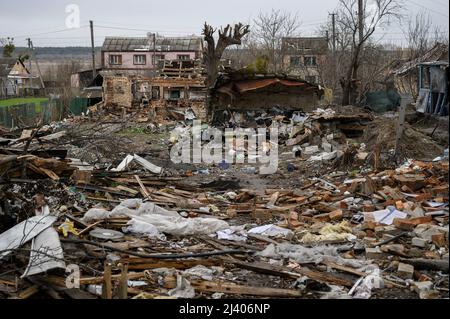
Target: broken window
[(157, 57), (310, 61), (295, 61), (425, 78), (115, 59), (139, 59), (183, 57), (174, 94)]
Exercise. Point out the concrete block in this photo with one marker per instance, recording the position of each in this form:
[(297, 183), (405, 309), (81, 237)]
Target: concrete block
[(327, 147), (405, 271), (419, 242), (311, 150), (374, 253)]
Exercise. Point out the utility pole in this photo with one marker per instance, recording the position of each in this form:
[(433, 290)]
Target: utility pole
[(333, 36), (37, 66), (30, 53), (93, 49), (361, 20), (333, 23), (154, 49)]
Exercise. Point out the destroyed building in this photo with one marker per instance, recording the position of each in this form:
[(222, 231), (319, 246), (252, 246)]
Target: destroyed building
[(426, 79), (143, 56), (302, 56), (159, 94), (242, 92)]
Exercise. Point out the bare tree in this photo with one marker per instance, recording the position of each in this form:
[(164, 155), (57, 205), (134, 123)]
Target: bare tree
[(418, 34), (60, 73), (228, 36), (376, 13), (269, 30)]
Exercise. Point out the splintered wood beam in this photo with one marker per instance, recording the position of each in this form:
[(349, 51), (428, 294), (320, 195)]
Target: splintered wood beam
[(146, 263), (267, 268), (143, 188), (27, 293), (123, 282), (107, 283), (170, 282)]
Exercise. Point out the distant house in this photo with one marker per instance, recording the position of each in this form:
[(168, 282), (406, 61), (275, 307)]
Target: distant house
[(141, 56), (302, 56), (15, 79)]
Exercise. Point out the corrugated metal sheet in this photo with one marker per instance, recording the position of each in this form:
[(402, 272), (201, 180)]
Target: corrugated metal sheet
[(259, 84)]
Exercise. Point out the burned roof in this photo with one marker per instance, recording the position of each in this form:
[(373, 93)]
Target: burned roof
[(126, 44), (437, 54), (240, 82), (305, 45)]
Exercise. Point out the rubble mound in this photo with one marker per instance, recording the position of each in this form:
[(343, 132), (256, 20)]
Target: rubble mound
[(414, 144)]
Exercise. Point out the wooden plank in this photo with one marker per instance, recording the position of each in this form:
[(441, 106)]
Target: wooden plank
[(345, 269), (234, 289), (146, 263), (123, 282), (262, 238), (144, 190), (296, 273), (27, 293), (107, 284), (60, 281)]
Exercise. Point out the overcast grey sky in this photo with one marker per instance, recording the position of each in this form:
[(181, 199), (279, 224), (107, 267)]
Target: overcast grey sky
[(44, 20)]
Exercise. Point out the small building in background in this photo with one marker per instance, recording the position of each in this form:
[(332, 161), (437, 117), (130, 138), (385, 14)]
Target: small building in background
[(16, 79), (433, 88), (302, 56), (426, 80)]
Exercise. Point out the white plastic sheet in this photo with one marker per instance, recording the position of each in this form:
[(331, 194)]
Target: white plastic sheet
[(46, 253), (24, 232), (150, 219), (272, 231)]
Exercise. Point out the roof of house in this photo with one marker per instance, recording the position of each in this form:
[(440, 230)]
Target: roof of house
[(437, 54), (6, 64), (304, 45), (240, 82), (125, 44)]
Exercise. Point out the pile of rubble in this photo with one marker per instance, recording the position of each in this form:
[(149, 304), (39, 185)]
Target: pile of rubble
[(333, 222)]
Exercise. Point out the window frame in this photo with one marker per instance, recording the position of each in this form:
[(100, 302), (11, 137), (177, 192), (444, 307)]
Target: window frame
[(312, 58), (112, 57), (161, 57), (139, 55), (171, 91), (187, 57)]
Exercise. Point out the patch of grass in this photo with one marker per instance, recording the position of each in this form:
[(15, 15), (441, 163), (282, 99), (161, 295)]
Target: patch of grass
[(25, 100)]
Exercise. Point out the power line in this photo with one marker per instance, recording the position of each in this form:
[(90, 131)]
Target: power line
[(439, 2), (427, 8), (50, 32)]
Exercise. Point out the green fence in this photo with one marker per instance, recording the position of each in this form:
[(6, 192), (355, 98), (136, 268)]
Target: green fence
[(30, 113), (78, 105)]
